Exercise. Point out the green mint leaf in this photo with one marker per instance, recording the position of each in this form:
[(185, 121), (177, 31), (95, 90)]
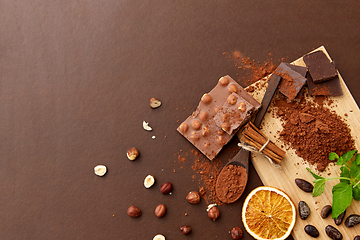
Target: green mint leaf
[(357, 159), (357, 176), (340, 161), (345, 172), (355, 170), (356, 192), (347, 156), (342, 196), (315, 175), (333, 156), (319, 187)]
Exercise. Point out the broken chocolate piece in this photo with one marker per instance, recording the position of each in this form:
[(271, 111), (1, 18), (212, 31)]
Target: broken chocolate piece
[(292, 81), (320, 67), (209, 138), (233, 114), (300, 69), (328, 88)]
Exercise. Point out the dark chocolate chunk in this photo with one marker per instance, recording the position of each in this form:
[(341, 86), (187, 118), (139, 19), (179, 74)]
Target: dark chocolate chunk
[(320, 67), (292, 81), (300, 69), (328, 88)]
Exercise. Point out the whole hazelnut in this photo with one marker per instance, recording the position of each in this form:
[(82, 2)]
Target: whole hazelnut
[(203, 116), (194, 136), (213, 213), (236, 233), (223, 81), (155, 103), (193, 197), (196, 124), (183, 127), (132, 153), (232, 88), (206, 98), (165, 188), (160, 210), (134, 212), (185, 229)]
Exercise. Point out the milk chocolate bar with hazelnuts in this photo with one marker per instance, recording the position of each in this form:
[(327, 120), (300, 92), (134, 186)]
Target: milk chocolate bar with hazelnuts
[(200, 128)]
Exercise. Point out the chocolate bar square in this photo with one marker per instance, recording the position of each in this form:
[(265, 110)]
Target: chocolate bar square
[(233, 114), (200, 128), (320, 67), (292, 81)]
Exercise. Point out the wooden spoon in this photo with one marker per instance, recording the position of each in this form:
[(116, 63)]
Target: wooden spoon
[(242, 157)]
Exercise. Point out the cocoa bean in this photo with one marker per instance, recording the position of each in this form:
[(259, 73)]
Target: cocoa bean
[(340, 218), (304, 210), (311, 231), (333, 233), (352, 220), (304, 185), (325, 211)]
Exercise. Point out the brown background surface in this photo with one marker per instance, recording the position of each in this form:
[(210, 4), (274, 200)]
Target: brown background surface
[(76, 79)]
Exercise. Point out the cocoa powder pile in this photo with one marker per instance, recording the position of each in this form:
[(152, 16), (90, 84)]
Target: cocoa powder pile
[(313, 130)]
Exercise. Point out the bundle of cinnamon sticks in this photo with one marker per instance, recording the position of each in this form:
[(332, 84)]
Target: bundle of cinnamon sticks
[(252, 136)]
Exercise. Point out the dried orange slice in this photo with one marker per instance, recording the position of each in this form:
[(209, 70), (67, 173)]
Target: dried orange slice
[(268, 213)]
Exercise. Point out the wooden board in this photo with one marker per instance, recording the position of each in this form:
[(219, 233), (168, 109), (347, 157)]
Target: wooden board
[(284, 178)]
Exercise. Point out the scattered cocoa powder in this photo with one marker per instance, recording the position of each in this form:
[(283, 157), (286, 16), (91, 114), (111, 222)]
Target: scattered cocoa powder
[(312, 129), (252, 71), (209, 171), (231, 183)]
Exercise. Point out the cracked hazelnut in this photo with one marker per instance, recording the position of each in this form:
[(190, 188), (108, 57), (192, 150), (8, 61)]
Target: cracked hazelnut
[(213, 213), (155, 103), (185, 229), (160, 210), (159, 237), (242, 107), (132, 153), (149, 181), (231, 99), (193, 197), (134, 212), (100, 170), (146, 126), (205, 131), (165, 188), (226, 126), (236, 233)]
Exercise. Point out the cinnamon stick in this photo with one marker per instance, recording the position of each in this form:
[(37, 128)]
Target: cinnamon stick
[(254, 137)]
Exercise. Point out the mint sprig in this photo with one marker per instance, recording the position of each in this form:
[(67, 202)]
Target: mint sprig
[(349, 186)]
